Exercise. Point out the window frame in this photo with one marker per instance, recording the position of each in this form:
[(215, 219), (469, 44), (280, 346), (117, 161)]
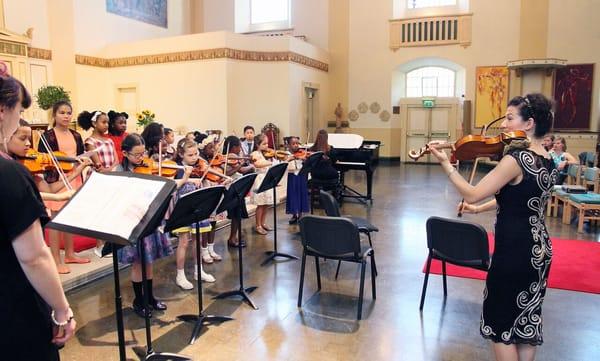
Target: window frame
[(437, 89), (272, 25), (409, 7)]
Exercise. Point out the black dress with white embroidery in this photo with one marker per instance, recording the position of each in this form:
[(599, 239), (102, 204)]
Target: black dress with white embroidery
[(517, 278)]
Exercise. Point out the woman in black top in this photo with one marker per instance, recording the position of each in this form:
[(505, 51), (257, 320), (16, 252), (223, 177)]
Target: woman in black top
[(34, 314), (521, 184), (324, 169)]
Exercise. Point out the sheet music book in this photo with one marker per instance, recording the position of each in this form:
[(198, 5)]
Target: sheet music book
[(116, 207)]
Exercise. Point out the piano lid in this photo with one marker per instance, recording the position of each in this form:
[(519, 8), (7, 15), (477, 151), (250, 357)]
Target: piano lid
[(345, 141)]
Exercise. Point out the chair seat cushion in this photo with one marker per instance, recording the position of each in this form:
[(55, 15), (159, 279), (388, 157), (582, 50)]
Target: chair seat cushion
[(362, 224), (560, 193), (590, 198)]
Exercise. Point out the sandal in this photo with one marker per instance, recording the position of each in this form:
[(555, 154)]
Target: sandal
[(267, 228), (260, 230)]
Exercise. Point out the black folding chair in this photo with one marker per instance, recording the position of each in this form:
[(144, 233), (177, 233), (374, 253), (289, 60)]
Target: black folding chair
[(332, 209), (334, 238), (457, 242)]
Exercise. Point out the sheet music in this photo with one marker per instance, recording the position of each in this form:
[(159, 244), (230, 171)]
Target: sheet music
[(110, 204)]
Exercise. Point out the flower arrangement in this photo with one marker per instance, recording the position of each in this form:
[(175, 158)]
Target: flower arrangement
[(47, 95), (144, 118)]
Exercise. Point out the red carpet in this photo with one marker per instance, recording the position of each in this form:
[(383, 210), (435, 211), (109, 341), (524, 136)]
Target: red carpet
[(575, 266), (80, 243)]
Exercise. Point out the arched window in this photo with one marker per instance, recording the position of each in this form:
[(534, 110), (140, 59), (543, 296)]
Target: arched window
[(430, 81), (416, 4)]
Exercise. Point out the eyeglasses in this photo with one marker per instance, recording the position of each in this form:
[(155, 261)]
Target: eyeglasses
[(136, 155)]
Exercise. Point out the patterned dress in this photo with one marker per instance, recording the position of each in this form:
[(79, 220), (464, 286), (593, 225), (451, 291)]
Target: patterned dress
[(517, 278)]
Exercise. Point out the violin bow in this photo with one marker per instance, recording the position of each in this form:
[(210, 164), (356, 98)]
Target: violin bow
[(61, 173), (220, 145), (226, 160)]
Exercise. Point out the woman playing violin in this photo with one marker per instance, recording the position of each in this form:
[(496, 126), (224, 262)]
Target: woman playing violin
[(521, 184)]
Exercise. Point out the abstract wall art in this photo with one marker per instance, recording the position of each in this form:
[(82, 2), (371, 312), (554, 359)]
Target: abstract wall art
[(149, 11)]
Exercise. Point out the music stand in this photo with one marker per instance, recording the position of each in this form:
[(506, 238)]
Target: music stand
[(151, 206), (234, 197), (271, 180), (191, 208)]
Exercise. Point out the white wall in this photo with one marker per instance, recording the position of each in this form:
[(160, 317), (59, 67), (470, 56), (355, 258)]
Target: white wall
[(219, 15), (209, 94), (96, 28), (309, 18), (20, 15)]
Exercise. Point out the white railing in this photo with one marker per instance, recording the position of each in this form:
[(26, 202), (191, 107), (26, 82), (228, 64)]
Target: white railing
[(430, 31)]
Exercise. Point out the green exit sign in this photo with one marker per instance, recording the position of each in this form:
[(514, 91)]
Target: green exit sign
[(428, 103)]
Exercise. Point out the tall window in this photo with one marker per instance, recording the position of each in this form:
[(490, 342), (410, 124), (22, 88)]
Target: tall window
[(416, 4), (269, 11), (430, 81)]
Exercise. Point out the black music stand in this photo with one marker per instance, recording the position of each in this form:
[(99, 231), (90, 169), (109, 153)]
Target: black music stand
[(146, 225), (194, 207), (271, 180), (234, 198)]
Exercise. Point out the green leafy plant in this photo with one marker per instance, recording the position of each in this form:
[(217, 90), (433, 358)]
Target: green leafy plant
[(49, 94), (144, 118)]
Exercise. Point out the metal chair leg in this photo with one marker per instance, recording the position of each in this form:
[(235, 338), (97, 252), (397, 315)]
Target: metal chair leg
[(424, 290), (337, 271), (362, 288), (374, 292), (318, 273), (444, 278), (301, 279)]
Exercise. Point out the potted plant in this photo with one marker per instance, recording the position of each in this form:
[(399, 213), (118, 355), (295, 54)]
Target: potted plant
[(47, 95)]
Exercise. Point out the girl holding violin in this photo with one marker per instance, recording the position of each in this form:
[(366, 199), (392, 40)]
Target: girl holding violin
[(19, 147), (265, 199), (232, 144), (324, 169), (208, 153), (157, 245), (297, 189), (61, 138), (521, 184), (105, 158), (187, 155)]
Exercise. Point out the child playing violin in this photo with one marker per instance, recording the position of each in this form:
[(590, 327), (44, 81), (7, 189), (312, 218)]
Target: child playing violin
[(105, 158), (233, 145), (265, 199), (20, 143), (117, 130), (187, 155), (207, 152), (297, 189), (61, 138), (156, 245)]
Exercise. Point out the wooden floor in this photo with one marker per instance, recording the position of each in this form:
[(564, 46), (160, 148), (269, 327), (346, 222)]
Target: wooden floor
[(325, 328)]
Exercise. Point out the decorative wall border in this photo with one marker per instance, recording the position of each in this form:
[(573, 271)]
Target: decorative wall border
[(12, 48), (39, 53), (205, 54)]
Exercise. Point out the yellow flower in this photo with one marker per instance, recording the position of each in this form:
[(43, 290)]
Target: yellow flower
[(152, 115), (140, 117)]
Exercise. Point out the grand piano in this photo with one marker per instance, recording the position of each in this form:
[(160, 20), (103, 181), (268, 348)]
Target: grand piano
[(352, 152)]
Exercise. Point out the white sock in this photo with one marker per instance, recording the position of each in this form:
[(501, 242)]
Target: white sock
[(211, 247), (181, 273)]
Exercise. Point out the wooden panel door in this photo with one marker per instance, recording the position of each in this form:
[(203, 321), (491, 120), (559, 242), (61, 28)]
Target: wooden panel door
[(418, 127)]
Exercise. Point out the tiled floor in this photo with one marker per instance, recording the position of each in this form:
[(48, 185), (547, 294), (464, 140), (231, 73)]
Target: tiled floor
[(325, 328)]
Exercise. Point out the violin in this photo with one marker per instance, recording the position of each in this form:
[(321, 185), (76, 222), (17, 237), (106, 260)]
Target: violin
[(268, 153), (271, 153), (302, 154), (219, 159), (212, 173), (37, 162), (474, 146), (168, 168)]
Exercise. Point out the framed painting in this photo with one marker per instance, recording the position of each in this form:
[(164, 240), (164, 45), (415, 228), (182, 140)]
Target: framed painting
[(149, 11), (573, 96), (491, 93)]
